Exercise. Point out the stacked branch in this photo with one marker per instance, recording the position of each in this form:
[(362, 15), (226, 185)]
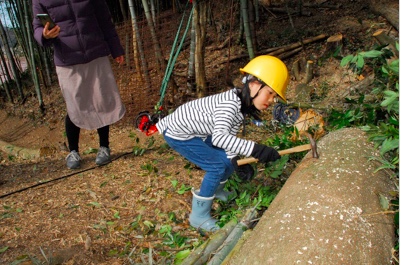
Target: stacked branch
[(282, 52)]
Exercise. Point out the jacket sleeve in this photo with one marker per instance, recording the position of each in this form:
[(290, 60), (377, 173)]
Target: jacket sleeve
[(37, 25), (109, 31)]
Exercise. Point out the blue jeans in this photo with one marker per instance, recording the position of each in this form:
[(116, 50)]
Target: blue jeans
[(209, 158)]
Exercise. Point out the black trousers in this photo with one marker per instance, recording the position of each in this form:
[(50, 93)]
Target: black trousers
[(73, 131)]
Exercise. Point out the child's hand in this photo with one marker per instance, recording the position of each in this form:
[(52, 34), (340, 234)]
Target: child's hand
[(244, 172), (264, 153)]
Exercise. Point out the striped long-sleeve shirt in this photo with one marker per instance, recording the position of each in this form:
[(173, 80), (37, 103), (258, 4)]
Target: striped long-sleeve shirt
[(218, 115)]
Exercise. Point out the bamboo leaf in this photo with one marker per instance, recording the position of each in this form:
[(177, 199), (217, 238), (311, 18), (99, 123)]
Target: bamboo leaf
[(388, 145), (384, 202), (346, 60), (371, 54)]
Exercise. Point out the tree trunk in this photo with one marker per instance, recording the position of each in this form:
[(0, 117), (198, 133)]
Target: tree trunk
[(139, 54), (387, 9), (191, 84), (161, 64), (30, 38), (330, 210), (200, 28), (11, 61), (4, 71), (247, 28)]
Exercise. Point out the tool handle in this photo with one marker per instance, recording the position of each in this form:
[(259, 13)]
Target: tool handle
[(295, 149), (247, 160)]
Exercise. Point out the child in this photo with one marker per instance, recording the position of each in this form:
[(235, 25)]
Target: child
[(204, 131)]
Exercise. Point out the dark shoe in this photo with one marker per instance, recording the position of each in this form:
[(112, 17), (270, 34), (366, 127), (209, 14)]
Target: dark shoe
[(73, 160), (103, 156)]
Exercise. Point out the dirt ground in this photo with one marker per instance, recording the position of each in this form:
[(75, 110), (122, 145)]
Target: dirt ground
[(108, 214)]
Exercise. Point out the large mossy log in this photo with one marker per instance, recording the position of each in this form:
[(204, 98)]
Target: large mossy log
[(328, 211)]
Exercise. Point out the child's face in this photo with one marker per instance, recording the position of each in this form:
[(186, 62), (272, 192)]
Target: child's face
[(264, 98)]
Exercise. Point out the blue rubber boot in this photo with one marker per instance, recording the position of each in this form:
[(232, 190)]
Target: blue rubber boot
[(200, 217), (221, 194)]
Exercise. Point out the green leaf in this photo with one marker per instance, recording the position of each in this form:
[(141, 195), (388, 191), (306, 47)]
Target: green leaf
[(391, 101), (2, 250), (183, 189), (112, 252), (388, 145), (180, 256), (20, 259), (360, 63), (371, 54), (96, 204), (395, 67), (90, 151), (117, 215), (384, 202), (346, 60), (174, 183), (148, 224)]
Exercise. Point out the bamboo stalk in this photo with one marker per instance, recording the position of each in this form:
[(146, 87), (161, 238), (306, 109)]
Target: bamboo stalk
[(289, 54), (295, 70), (22, 152), (233, 237), (309, 71), (201, 254), (237, 247)]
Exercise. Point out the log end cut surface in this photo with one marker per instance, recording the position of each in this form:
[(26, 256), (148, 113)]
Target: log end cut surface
[(327, 212)]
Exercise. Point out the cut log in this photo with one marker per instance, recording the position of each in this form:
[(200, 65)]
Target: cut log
[(383, 39), (334, 45), (328, 211), (388, 9), (309, 71), (296, 71), (13, 150)]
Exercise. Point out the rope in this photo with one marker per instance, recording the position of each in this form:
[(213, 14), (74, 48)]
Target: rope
[(173, 58), (62, 177)]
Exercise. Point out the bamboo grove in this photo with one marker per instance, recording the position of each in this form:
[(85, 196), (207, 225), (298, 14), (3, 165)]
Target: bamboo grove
[(16, 23)]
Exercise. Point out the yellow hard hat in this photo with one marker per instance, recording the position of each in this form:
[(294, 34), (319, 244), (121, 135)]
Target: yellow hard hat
[(271, 70)]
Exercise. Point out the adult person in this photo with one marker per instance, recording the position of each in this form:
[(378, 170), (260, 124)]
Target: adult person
[(204, 131), (83, 38)]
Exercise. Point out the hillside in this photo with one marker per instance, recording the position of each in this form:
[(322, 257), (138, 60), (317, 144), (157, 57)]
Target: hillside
[(112, 214)]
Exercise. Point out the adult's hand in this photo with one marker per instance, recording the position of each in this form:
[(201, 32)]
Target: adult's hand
[(50, 33)]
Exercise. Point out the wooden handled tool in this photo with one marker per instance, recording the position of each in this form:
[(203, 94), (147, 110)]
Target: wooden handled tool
[(296, 149)]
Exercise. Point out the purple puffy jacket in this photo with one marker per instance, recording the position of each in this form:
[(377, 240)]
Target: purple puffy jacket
[(86, 30)]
